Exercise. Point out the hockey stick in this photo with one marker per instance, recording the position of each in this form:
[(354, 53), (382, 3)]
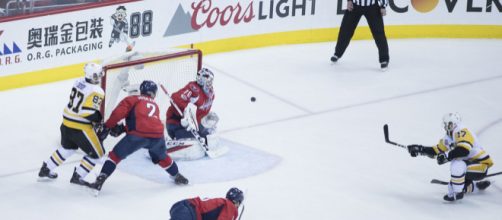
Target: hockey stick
[(209, 153), (242, 211), (440, 182), (386, 134)]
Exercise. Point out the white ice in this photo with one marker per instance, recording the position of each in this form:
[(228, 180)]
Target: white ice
[(323, 121)]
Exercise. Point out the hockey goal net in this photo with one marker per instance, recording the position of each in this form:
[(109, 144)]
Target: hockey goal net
[(173, 69)]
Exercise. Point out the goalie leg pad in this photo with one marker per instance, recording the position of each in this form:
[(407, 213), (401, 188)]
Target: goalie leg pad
[(178, 132), (190, 149)]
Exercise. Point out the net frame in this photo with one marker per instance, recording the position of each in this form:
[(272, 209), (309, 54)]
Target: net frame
[(155, 58)]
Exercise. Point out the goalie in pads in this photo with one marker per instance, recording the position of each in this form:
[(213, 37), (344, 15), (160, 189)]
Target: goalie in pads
[(194, 102)]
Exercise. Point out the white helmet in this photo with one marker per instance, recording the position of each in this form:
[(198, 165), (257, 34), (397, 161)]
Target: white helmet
[(205, 79), (93, 72), (451, 121)]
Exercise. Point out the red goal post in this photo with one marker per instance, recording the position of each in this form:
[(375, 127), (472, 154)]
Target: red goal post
[(173, 69)]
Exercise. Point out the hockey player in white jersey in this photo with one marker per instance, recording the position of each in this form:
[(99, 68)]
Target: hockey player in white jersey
[(80, 118), (469, 162)]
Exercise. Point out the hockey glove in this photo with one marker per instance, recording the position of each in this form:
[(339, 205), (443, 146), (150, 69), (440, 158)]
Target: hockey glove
[(103, 133), (209, 122), (189, 120), (442, 158), (117, 130), (415, 149)]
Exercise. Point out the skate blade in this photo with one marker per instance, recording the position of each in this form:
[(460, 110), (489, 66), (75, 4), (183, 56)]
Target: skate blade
[(95, 193), (45, 179)]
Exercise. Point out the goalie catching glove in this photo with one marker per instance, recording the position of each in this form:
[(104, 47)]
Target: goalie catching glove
[(189, 120), (209, 122)]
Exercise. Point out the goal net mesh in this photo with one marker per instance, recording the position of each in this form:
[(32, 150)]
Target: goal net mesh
[(123, 75)]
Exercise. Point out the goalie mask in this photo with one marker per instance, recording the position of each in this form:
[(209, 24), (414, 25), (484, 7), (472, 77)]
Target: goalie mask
[(451, 122), (93, 73), (205, 79)]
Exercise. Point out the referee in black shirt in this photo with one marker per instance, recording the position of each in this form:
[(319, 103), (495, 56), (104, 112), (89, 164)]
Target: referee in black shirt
[(373, 10)]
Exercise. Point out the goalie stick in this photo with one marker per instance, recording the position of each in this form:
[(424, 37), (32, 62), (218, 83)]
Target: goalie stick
[(441, 182), (386, 134), (209, 153)]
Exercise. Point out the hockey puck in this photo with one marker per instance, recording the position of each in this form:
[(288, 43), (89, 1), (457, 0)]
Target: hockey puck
[(253, 99)]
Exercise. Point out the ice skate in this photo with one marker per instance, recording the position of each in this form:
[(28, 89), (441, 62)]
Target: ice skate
[(96, 186), (482, 185), (45, 174), (454, 196), (384, 66), (334, 58), (77, 179), (180, 179)]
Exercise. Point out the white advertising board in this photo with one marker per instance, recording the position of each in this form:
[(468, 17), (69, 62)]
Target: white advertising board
[(80, 36)]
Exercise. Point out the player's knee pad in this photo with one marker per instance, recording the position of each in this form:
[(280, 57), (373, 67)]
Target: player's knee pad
[(458, 168)]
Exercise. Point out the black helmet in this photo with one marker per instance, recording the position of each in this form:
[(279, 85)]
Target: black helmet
[(235, 195), (148, 88)]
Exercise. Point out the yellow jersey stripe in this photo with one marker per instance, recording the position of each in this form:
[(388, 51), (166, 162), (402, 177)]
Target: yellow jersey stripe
[(478, 168), (458, 180), (57, 158), (466, 145), (86, 164), (94, 140)]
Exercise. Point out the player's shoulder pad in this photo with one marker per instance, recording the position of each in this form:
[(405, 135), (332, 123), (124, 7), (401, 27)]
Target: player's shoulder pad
[(97, 89), (464, 138)]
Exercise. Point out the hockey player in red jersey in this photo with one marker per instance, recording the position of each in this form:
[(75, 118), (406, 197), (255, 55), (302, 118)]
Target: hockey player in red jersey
[(199, 96), (209, 209), (143, 128), (190, 116)]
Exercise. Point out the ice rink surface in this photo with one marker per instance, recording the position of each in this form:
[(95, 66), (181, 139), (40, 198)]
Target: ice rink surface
[(323, 121)]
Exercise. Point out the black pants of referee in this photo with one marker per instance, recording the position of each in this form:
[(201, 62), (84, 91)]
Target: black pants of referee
[(375, 21)]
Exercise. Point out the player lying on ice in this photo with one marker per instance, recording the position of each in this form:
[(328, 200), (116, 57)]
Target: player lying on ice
[(207, 209), (469, 162)]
